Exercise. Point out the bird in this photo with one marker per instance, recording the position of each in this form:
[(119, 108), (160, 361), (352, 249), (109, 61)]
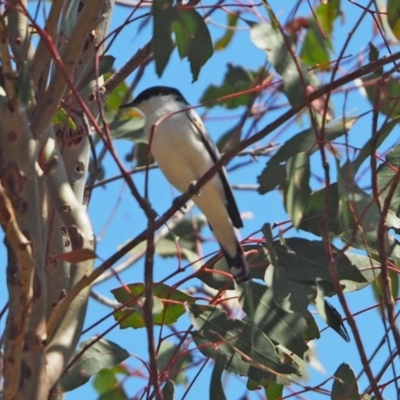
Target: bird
[(184, 151)]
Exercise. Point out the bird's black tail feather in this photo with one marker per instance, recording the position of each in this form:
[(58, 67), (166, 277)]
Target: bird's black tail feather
[(238, 265)]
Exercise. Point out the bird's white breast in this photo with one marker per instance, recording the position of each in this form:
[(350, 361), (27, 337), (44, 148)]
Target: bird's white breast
[(179, 151)]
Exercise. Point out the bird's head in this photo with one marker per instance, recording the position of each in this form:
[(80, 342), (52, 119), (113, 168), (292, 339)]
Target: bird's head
[(157, 98)]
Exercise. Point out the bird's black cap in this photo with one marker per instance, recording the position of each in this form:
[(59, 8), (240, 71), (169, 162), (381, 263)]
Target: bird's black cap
[(154, 92)]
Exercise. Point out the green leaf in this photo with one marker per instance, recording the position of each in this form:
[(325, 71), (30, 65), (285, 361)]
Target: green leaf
[(296, 189), (317, 43), (387, 176), (304, 141), (362, 210), (274, 391), (272, 176), (373, 143), (168, 314), (331, 316), (61, 117), (117, 393), (369, 241), (216, 387), (321, 209), (185, 228), (315, 50), (163, 16), (106, 379), (383, 94), (327, 13), (378, 286), (217, 334), (168, 248), (345, 384), (281, 326), (102, 354), (173, 362), (168, 390), (128, 129), (115, 98), (193, 39), (236, 80), (231, 138), (223, 42), (373, 54), (293, 70), (305, 261), (186, 233), (312, 330), (393, 10)]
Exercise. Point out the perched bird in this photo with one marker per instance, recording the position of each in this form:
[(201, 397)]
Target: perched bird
[(184, 152)]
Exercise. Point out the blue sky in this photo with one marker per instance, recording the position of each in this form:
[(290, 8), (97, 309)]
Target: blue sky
[(128, 220)]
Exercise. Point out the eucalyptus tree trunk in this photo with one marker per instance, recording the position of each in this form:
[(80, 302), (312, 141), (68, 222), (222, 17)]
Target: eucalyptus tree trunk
[(43, 165)]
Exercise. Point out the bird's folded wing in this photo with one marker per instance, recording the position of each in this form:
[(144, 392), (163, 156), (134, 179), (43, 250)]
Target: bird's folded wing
[(231, 206)]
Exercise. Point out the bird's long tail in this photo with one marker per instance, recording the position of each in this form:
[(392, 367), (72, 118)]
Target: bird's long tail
[(237, 265)]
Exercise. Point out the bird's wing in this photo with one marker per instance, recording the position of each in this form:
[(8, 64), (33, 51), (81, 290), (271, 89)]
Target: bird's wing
[(231, 206)]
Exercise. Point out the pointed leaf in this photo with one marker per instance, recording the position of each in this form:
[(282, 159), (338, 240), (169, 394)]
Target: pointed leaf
[(271, 177), (312, 330), (304, 141), (331, 316), (117, 393), (345, 385), (106, 379), (393, 10), (296, 188), (307, 261), (273, 390), (383, 94), (373, 143), (316, 46), (378, 286), (322, 208), (387, 176), (168, 390), (224, 41), (61, 117), (363, 209), (172, 300), (102, 354), (283, 327), (193, 39), (219, 335), (168, 248), (216, 387), (236, 80), (163, 15), (281, 57)]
